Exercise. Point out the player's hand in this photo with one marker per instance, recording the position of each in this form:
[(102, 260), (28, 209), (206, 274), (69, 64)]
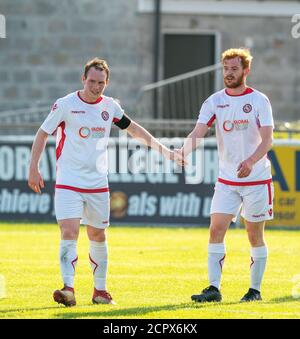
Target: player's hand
[(175, 156), (179, 157), (245, 168), (35, 180)]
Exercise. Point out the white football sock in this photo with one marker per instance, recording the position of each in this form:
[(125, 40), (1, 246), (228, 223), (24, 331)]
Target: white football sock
[(216, 257), (98, 261), (68, 261), (258, 265)]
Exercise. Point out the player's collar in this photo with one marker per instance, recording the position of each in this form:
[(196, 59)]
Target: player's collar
[(248, 90), (87, 102)]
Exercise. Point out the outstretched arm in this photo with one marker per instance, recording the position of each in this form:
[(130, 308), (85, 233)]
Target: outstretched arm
[(138, 132), (35, 180), (193, 139)]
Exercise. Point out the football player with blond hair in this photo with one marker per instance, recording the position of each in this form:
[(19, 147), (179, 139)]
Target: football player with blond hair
[(244, 132)]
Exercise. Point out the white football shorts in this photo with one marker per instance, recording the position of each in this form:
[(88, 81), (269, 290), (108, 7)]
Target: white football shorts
[(256, 201), (92, 208)]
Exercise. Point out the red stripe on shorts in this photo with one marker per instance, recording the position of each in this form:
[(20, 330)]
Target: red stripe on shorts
[(249, 183), (270, 193), (83, 190)]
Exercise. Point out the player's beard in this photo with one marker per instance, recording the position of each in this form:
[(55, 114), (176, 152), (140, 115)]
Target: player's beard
[(234, 84)]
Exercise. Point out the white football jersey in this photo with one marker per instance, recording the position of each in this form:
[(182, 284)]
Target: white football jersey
[(238, 119), (82, 138)]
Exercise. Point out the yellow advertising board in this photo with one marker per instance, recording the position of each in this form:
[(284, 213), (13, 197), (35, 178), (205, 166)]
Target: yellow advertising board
[(285, 158)]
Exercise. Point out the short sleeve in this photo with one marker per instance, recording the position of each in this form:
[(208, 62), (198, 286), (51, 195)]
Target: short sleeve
[(54, 118), (264, 113), (206, 114), (118, 112)]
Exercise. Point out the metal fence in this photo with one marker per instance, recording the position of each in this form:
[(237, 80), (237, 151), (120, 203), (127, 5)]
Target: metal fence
[(179, 97), (168, 108), (22, 121)]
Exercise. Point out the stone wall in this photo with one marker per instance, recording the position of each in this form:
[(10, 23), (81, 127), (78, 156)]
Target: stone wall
[(48, 43)]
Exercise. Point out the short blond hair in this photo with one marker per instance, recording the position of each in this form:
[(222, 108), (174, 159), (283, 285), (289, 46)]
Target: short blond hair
[(242, 53), (99, 64)]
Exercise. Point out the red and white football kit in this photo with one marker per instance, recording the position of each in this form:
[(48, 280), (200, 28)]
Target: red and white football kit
[(238, 120), (81, 156)]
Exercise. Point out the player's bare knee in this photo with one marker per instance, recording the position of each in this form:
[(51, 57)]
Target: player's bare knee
[(96, 234), (256, 242), (255, 239), (217, 234), (69, 229), (100, 237), (69, 234)]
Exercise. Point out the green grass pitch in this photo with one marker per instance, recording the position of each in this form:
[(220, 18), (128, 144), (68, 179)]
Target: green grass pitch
[(152, 274)]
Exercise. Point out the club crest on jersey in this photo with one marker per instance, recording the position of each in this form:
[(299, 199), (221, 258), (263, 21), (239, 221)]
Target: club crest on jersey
[(84, 132), (247, 108), (105, 115)]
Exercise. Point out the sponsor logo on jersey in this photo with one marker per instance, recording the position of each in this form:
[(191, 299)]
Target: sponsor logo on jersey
[(228, 126), (93, 132), (98, 132), (78, 112), (84, 132), (105, 115), (223, 106), (247, 108), (238, 125)]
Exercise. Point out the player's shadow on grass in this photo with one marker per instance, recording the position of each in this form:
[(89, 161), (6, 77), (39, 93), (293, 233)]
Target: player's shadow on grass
[(107, 311), (285, 299), (10, 310)]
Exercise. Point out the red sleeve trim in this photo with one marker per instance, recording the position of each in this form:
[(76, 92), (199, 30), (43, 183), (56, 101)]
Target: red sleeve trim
[(212, 119), (60, 146)]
